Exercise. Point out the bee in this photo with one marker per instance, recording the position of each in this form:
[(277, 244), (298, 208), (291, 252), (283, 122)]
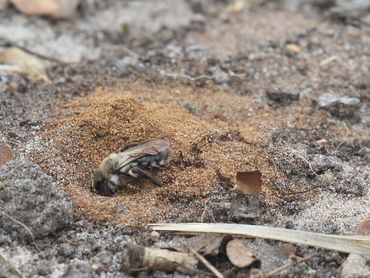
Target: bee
[(113, 170)]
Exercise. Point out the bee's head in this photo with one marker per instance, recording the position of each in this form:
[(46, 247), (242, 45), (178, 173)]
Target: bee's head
[(101, 185)]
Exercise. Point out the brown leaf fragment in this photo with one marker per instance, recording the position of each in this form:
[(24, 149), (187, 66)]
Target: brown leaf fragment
[(249, 182), (287, 250), (6, 154), (213, 247), (239, 254), (363, 229), (53, 8), (17, 61)]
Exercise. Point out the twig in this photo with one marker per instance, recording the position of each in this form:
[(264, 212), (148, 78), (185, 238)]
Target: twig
[(311, 168), (206, 263), (11, 68), (202, 76), (329, 60), (130, 52), (24, 226), (138, 269), (239, 75), (346, 136), (270, 159), (13, 267), (204, 213), (309, 164), (291, 264), (51, 59)]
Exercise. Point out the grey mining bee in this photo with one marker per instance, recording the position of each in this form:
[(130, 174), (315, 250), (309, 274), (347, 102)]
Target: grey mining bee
[(114, 169)]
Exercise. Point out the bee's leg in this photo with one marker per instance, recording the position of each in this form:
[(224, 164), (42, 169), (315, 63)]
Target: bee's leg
[(136, 171), (133, 172), (122, 182)]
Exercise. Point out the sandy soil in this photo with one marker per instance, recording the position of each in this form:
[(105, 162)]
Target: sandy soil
[(232, 91)]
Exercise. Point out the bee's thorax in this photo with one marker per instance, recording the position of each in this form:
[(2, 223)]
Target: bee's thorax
[(108, 164)]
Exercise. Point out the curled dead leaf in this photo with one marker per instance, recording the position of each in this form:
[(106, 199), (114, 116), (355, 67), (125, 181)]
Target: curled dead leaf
[(17, 61), (53, 8), (239, 254), (249, 182), (6, 154)]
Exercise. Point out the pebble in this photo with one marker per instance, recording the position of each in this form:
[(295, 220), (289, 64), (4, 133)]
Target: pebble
[(339, 106), (280, 96)]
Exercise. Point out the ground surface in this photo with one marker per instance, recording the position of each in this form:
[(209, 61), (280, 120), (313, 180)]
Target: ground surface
[(233, 91)]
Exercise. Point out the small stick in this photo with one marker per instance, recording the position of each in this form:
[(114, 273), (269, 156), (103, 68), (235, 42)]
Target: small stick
[(346, 136), (130, 52), (204, 213), (51, 59), (309, 164), (329, 60), (13, 267), (290, 264), (175, 75), (206, 263), (24, 226)]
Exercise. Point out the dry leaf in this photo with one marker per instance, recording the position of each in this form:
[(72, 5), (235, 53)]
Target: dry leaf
[(213, 247), (249, 182), (348, 244), (6, 154), (54, 8), (363, 229), (205, 244), (239, 254), (17, 61), (287, 250)]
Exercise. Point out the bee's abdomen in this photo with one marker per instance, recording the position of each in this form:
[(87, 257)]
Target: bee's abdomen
[(153, 160)]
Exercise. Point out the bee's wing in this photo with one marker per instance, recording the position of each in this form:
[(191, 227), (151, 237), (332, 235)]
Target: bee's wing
[(152, 147)]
